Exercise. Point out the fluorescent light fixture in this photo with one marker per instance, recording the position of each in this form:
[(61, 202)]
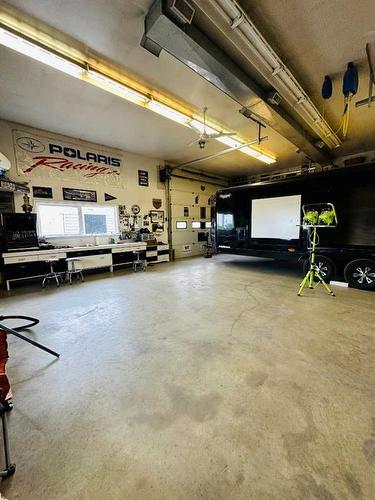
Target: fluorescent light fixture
[(196, 124), (258, 155), (117, 88), (228, 141), (274, 70), (168, 112), (266, 158), (38, 53), (233, 143), (47, 56)]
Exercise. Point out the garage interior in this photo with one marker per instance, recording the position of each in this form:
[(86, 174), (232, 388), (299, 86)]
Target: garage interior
[(158, 165)]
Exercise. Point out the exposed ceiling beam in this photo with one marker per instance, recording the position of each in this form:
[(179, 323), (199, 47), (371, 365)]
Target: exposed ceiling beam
[(190, 46)]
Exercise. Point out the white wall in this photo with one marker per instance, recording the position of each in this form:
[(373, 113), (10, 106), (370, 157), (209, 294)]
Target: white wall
[(127, 192)]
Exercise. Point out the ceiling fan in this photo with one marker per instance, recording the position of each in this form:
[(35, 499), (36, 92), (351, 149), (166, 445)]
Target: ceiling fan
[(204, 133)]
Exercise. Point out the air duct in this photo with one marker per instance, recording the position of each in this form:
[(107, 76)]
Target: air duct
[(190, 46)]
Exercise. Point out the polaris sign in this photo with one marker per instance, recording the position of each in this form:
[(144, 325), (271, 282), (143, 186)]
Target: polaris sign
[(76, 153), (37, 155)]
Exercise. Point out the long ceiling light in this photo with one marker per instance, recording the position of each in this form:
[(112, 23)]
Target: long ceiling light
[(38, 53), (168, 112), (110, 85), (51, 58), (233, 143), (196, 124), (273, 69)]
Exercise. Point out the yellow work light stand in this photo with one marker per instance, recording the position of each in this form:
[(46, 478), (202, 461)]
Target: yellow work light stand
[(322, 215)]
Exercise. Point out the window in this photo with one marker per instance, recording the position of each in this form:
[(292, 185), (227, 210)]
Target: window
[(181, 224), (203, 212), (225, 221), (76, 220), (196, 224), (208, 225)]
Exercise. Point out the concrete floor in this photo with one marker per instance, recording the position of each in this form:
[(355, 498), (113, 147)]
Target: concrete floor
[(201, 379)]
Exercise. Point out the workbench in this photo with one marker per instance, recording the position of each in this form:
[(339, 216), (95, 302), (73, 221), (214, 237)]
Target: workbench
[(30, 264)]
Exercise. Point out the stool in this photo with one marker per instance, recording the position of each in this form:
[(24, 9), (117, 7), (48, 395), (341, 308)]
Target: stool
[(51, 275), (141, 263), (73, 269)]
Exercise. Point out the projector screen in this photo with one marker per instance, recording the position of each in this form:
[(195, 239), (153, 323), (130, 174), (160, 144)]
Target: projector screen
[(276, 217)]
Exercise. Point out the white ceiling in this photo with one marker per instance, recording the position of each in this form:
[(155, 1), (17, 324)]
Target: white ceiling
[(315, 38), (39, 96)]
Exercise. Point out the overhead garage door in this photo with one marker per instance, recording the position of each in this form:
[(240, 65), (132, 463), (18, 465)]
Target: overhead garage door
[(191, 215)]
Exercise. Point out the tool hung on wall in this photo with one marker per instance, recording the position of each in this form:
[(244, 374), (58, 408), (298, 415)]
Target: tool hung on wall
[(350, 84), (327, 87), (349, 89)]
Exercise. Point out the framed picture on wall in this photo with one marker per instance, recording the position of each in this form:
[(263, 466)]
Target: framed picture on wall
[(157, 216), (73, 194), (42, 192)]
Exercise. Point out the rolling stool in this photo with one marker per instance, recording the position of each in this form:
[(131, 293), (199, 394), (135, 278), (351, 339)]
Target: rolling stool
[(51, 275), (72, 269), (141, 263)]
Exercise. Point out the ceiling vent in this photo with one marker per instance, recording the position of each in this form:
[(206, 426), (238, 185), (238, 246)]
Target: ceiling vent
[(188, 44), (181, 10)]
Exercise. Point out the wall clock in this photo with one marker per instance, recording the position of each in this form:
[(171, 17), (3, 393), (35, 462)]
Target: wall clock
[(135, 209)]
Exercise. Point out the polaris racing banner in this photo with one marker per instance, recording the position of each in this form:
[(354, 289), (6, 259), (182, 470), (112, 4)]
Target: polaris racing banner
[(46, 156)]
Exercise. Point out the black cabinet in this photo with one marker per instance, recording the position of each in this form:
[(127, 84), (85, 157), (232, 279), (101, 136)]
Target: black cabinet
[(36, 268), (127, 257)]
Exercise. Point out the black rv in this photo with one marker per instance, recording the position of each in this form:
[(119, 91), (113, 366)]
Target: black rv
[(262, 220)]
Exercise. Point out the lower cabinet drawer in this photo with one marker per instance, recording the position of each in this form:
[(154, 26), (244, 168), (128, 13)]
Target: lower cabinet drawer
[(52, 256), (163, 258), (20, 260), (128, 249), (152, 253), (94, 261)]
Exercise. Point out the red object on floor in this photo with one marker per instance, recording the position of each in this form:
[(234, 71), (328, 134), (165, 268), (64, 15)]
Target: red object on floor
[(4, 356)]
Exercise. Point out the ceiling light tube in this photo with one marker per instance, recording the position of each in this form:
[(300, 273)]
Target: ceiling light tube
[(117, 88), (291, 90), (266, 159), (30, 49), (168, 112), (233, 143), (228, 141), (49, 57), (196, 124)]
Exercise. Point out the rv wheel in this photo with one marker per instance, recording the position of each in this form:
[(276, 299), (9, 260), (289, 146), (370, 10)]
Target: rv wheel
[(360, 273), (324, 265)]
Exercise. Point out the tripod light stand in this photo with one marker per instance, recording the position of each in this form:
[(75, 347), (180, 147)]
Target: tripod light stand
[(322, 215)]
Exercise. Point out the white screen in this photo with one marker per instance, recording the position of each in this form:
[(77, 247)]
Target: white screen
[(276, 217)]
